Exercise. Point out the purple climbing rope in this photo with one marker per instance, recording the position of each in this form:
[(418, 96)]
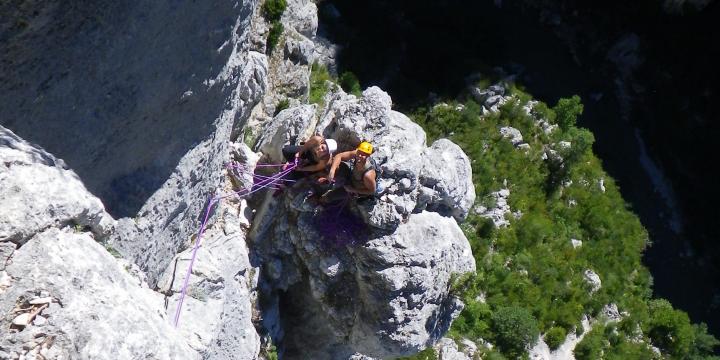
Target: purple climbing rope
[(265, 182)]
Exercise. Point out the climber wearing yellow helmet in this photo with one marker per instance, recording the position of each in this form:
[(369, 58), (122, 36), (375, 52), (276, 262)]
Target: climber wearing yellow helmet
[(357, 175)]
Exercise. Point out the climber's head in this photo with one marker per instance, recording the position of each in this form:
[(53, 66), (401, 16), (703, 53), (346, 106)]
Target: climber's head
[(365, 148), (331, 145)]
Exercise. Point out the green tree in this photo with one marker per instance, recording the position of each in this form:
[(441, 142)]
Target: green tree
[(567, 111), (704, 344), (555, 337), (669, 329), (516, 330), (591, 346)]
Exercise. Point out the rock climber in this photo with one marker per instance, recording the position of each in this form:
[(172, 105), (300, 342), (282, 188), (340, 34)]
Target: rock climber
[(313, 155), (354, 173)]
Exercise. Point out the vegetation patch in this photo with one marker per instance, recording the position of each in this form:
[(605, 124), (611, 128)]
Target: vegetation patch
[(319, 83), (273, 39), (529, 276)]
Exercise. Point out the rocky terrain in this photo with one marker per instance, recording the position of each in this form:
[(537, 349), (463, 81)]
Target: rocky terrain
[(80, 283)]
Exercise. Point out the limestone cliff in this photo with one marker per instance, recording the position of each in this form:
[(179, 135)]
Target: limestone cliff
[(78, 283)]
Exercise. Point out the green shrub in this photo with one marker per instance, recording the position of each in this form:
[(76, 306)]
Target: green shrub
[(669, 329), (319, 77), (276, 31), (591, 346), (281, 105), (273, 9), (427, 354), (555, 337), (516, 330), (704, 344), (567, 111), (350, 83)]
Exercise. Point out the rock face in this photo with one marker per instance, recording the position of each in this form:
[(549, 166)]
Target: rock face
[(96, 311), (64, 296), (39, 191), (380, 287), (370, 277), (120, 91)]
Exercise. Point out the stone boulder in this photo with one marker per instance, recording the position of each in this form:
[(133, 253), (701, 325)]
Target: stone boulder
[(302, 16), (286, 128)]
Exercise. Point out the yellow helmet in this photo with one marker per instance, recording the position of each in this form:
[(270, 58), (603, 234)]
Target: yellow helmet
[(365, 147)]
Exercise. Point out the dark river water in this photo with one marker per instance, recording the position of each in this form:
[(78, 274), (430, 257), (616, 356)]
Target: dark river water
[(414, 48)]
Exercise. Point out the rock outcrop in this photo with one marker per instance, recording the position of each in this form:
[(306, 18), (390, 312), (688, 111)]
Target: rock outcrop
[(369, 277), (64, 296)]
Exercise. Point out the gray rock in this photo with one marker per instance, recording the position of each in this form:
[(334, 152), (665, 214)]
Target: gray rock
[(499, 210), (593, 280), (511, 134), (39, 192), (96, 301), (287, 127), (170, 216), (576, 243), (397, 141), (299, 50), (387, 297), (447, 349), (301, 15), (447, 175)]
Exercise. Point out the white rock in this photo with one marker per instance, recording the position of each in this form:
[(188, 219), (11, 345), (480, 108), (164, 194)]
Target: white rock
[(40, 301), (38, 191), (447, 349), (576, 243), (512, 134), (22, 319), (447, 171), (40, 320), (593, 280)]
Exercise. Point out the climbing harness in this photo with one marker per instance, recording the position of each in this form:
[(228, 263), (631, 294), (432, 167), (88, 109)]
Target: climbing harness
[(265, 182)]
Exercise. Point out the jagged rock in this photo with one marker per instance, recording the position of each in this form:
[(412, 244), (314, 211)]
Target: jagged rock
[(299, 50), (411, 182), (6, 250), (541, 351), (593, 280), (287, 127), (39, 191), (447, 177), (169, 217), (499, 210), (386, 297), (447, 349), (302, 16), (96, 301), (610, 312), (216, 316), (511, 134)]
